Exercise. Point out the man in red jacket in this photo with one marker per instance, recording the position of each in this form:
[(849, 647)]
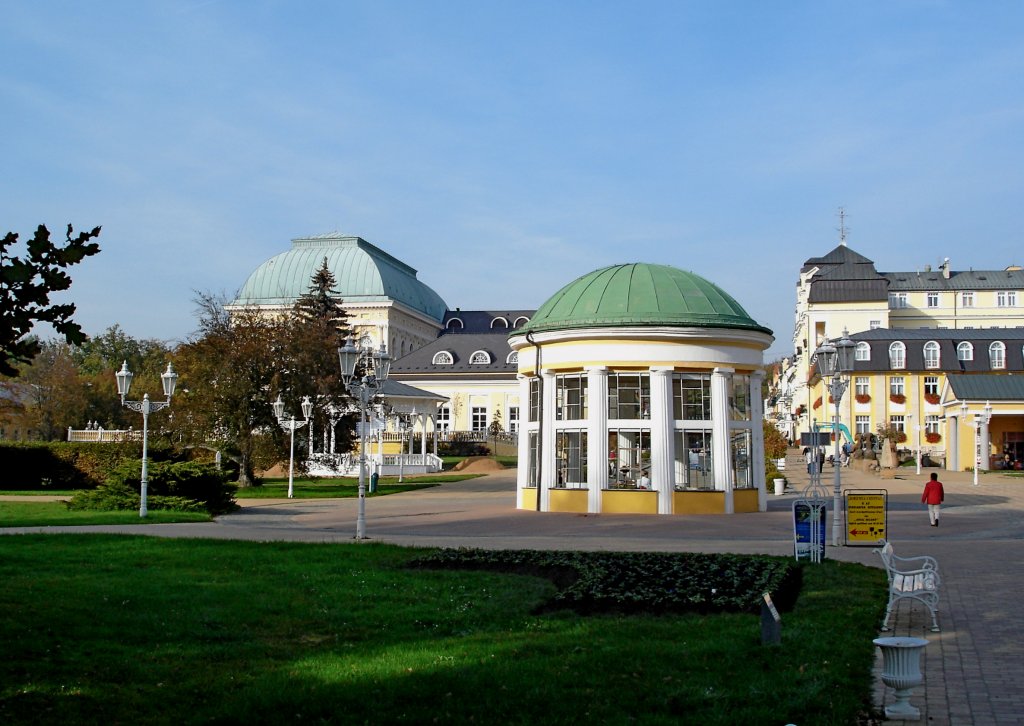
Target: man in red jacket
[(933, 496)]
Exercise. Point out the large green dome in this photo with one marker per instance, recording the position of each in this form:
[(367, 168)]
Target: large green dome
[(640, 294), (363, 273)]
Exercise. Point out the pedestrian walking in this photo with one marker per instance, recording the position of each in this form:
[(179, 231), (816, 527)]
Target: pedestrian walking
[(932, 496)]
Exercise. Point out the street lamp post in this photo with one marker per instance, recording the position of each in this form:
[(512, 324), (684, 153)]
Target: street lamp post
[(290, 425), (364, 387), (169, 379), (835, 361), (403, 426)]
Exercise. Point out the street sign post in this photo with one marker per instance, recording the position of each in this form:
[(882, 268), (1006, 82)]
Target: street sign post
[(866, 516)]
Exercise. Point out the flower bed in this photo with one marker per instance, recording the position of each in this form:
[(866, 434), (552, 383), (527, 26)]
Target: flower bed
[(639, 582)]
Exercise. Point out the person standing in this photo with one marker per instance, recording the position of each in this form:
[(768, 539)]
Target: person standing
[(932, 496)]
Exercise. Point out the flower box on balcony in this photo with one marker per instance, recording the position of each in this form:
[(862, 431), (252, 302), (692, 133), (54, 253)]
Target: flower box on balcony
[(932, 398), (817, 402), (863, 398), (897, 398), (933, 437)]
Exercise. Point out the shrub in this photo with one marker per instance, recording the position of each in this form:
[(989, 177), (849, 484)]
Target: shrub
[(185, 486), (67, 465), (121, 497)]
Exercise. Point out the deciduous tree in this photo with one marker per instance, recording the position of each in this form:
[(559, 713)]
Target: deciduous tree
[(26, 282)]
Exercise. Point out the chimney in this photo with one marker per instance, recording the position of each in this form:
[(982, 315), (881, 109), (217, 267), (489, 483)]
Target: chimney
[(945, 268), (927, 268)]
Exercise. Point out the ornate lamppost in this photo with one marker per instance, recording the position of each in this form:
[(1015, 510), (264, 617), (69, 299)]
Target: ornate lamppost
[(290, 425), (835, 361), (169, 379), (363, 387)]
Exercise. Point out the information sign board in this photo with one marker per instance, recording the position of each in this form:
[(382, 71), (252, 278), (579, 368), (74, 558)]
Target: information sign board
[(865, 516), (808, 533)]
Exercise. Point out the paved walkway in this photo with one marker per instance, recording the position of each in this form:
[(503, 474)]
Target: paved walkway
[(974, 668)]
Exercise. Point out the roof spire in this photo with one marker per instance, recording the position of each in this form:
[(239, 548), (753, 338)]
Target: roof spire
[(843, 229)]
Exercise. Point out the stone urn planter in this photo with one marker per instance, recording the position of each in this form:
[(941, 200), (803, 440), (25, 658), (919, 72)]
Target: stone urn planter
[(780, 487), (901, 671)]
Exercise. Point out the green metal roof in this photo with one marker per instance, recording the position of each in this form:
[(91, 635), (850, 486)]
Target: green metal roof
[(364, 273), (992, 387), (640, 294)]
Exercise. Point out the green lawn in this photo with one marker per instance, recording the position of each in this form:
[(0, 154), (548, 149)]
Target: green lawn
[(117, 629), (343, 487), (46, 514)]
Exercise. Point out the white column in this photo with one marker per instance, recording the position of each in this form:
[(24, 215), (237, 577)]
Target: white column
[(597, 436), (548, 464), (757, 439), (952, 443), (423, 441), (523, 472), (721, 379), (986, 445), (662, 441)]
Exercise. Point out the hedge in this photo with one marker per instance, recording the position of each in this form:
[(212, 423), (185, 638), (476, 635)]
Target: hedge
[(67, 465)]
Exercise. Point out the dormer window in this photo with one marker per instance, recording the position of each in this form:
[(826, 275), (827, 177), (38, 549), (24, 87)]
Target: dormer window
[(455, 324), (499, 322), (443, 358), (862, 351), (931, 354), (897, 355), (480, 358), (513, 358), (997, 355), (965, 351), (521, 320)]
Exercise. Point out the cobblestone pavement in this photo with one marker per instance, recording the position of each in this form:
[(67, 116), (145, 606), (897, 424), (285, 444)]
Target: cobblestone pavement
[(973, 669)]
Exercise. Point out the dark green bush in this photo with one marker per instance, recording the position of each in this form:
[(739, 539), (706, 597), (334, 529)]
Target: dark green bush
[(66, 465), (182, 486), (640, 582), (121, 497)]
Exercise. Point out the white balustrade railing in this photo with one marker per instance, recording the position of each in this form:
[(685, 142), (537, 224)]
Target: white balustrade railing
[(94, 436)]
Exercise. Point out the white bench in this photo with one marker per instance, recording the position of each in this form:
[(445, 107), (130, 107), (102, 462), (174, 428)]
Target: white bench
[(914, 578)]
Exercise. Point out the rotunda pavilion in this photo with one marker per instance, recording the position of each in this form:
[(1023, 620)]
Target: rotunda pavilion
[(641, 385)]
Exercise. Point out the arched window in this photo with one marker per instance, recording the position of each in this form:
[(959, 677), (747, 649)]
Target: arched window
[(897, 355), (997, 355), (455, 324), (965, 351), (443, 358), (513, 358), (931, 354), (862, 351), (499, 322), (521, 320), (480, 358)]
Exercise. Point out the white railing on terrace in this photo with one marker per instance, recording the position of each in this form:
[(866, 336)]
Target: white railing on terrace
[(101, 435)]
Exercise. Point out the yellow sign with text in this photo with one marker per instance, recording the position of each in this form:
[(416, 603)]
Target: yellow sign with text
[(865, 516)]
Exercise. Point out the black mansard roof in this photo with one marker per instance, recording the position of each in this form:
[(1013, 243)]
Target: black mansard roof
[(915, 339)]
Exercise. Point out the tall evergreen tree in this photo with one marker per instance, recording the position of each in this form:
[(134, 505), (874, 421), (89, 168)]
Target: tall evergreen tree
[(322, 303)]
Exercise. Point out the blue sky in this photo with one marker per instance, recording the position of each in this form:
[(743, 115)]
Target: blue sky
[(505, 148)]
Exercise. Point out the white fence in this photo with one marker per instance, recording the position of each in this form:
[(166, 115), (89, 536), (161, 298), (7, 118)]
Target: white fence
[(94, 436)]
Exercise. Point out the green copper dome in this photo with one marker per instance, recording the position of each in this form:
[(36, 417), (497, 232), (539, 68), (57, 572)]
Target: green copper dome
[(363, 273), (640, 294)]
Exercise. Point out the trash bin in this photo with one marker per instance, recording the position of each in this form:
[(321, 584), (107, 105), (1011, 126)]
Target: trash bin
[(373, 482)]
